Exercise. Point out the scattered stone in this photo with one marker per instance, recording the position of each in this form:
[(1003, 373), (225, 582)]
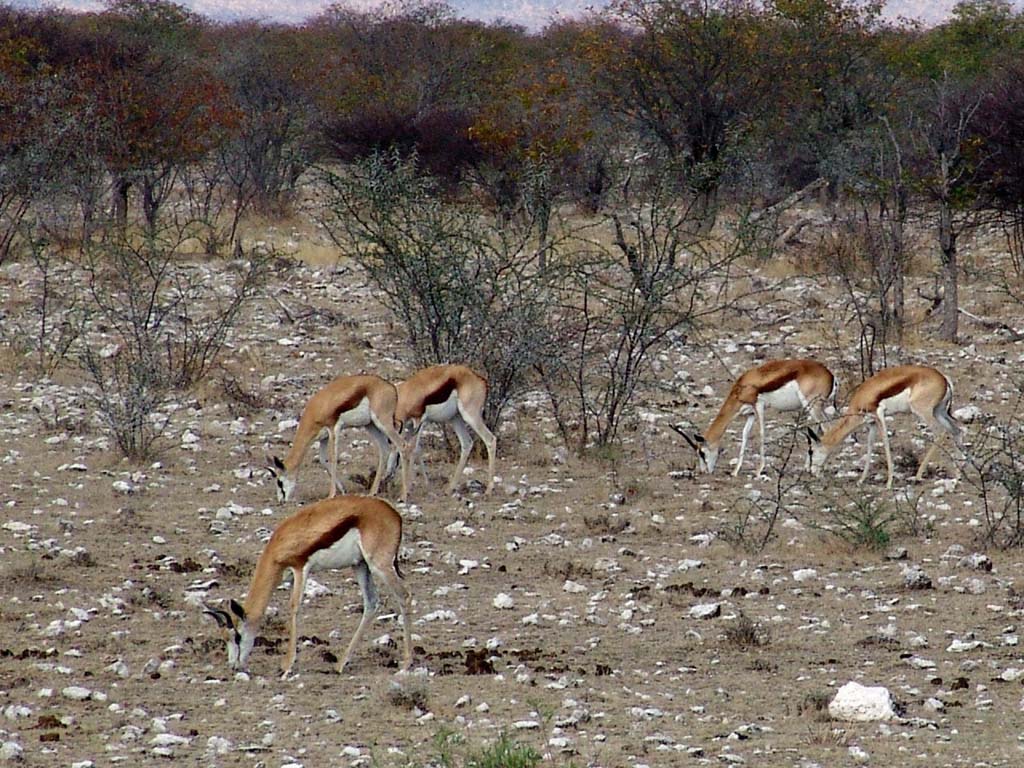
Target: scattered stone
[(915, 578), (861, 704), (10, 751), (976, 561), (503, 601), (706, 611), (968, 414), (963, 646)]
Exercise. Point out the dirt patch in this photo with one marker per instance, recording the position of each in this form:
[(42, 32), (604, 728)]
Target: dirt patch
[(595, 657)]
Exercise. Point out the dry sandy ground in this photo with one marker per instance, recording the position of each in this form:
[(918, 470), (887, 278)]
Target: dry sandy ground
[(593, 658)]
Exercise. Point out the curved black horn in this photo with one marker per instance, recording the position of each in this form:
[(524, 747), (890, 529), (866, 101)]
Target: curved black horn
[(684, 435), (221, 617)]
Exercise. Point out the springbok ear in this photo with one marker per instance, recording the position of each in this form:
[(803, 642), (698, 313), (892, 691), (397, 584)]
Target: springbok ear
[(221, 617), (237, 609), (682, 433), (812, 436)]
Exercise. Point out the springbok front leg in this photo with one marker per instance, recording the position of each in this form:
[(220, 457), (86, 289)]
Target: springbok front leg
[(748, 427)]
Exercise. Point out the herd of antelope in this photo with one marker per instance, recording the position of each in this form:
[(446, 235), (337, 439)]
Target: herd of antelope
[(365, 532)]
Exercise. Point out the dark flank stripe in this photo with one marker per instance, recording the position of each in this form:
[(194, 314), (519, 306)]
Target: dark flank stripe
[(780, 382), (349, 403), (330, 537), (893, 389), (438, 395)]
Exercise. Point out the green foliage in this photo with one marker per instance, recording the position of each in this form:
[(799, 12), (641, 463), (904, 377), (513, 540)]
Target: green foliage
[(979, 34), (453, 752), (866, 518)]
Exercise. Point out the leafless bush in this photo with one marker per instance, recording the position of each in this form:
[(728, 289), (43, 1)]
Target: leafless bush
[(755, 517), (159, 323), (660, 280), (870, 267), (463, 288), (746, 633), (60, 314), (56, 314), (995, 470)]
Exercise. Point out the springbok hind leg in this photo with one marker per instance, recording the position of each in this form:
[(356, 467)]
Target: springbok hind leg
[(369, 591), (394, 583)]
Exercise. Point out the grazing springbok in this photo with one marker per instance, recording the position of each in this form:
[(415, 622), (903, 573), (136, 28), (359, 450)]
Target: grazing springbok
[(915, 389), (348, 401), (785, 385), (358, 532), (447, 394)]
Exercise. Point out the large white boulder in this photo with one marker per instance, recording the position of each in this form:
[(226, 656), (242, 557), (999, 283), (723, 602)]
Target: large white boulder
[(859, 703)]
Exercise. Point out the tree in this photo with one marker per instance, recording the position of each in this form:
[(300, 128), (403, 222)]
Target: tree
[(270, 73), (948, 162), (693, 76), (999, 125)]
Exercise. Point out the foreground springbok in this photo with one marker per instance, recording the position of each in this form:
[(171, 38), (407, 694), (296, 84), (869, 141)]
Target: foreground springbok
[(916, 389), (358, 532), (785, 385)]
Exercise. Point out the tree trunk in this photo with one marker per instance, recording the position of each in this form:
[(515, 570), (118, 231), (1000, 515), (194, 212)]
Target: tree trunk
[(121, 187), (950, 299), (707, 210)]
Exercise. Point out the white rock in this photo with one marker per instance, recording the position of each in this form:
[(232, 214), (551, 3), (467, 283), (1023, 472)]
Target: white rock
[(315, 589), (503, 601), (858, 754), (10, 751), (439, 615), (977, 561), (858, 703), (573, 587), (968, 413), (935, 705), (706, 611), (459, 528), (962, 646), (16, 527), (525, 725), (804, 574), (169, 740), (76, 693)]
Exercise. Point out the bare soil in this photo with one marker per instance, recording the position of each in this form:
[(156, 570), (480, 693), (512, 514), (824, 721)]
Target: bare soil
[(106, 656)]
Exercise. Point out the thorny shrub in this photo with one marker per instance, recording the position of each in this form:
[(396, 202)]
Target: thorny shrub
[(463, 287), (157, 324)]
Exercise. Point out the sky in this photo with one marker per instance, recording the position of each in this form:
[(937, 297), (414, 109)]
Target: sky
[(532, 14)]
